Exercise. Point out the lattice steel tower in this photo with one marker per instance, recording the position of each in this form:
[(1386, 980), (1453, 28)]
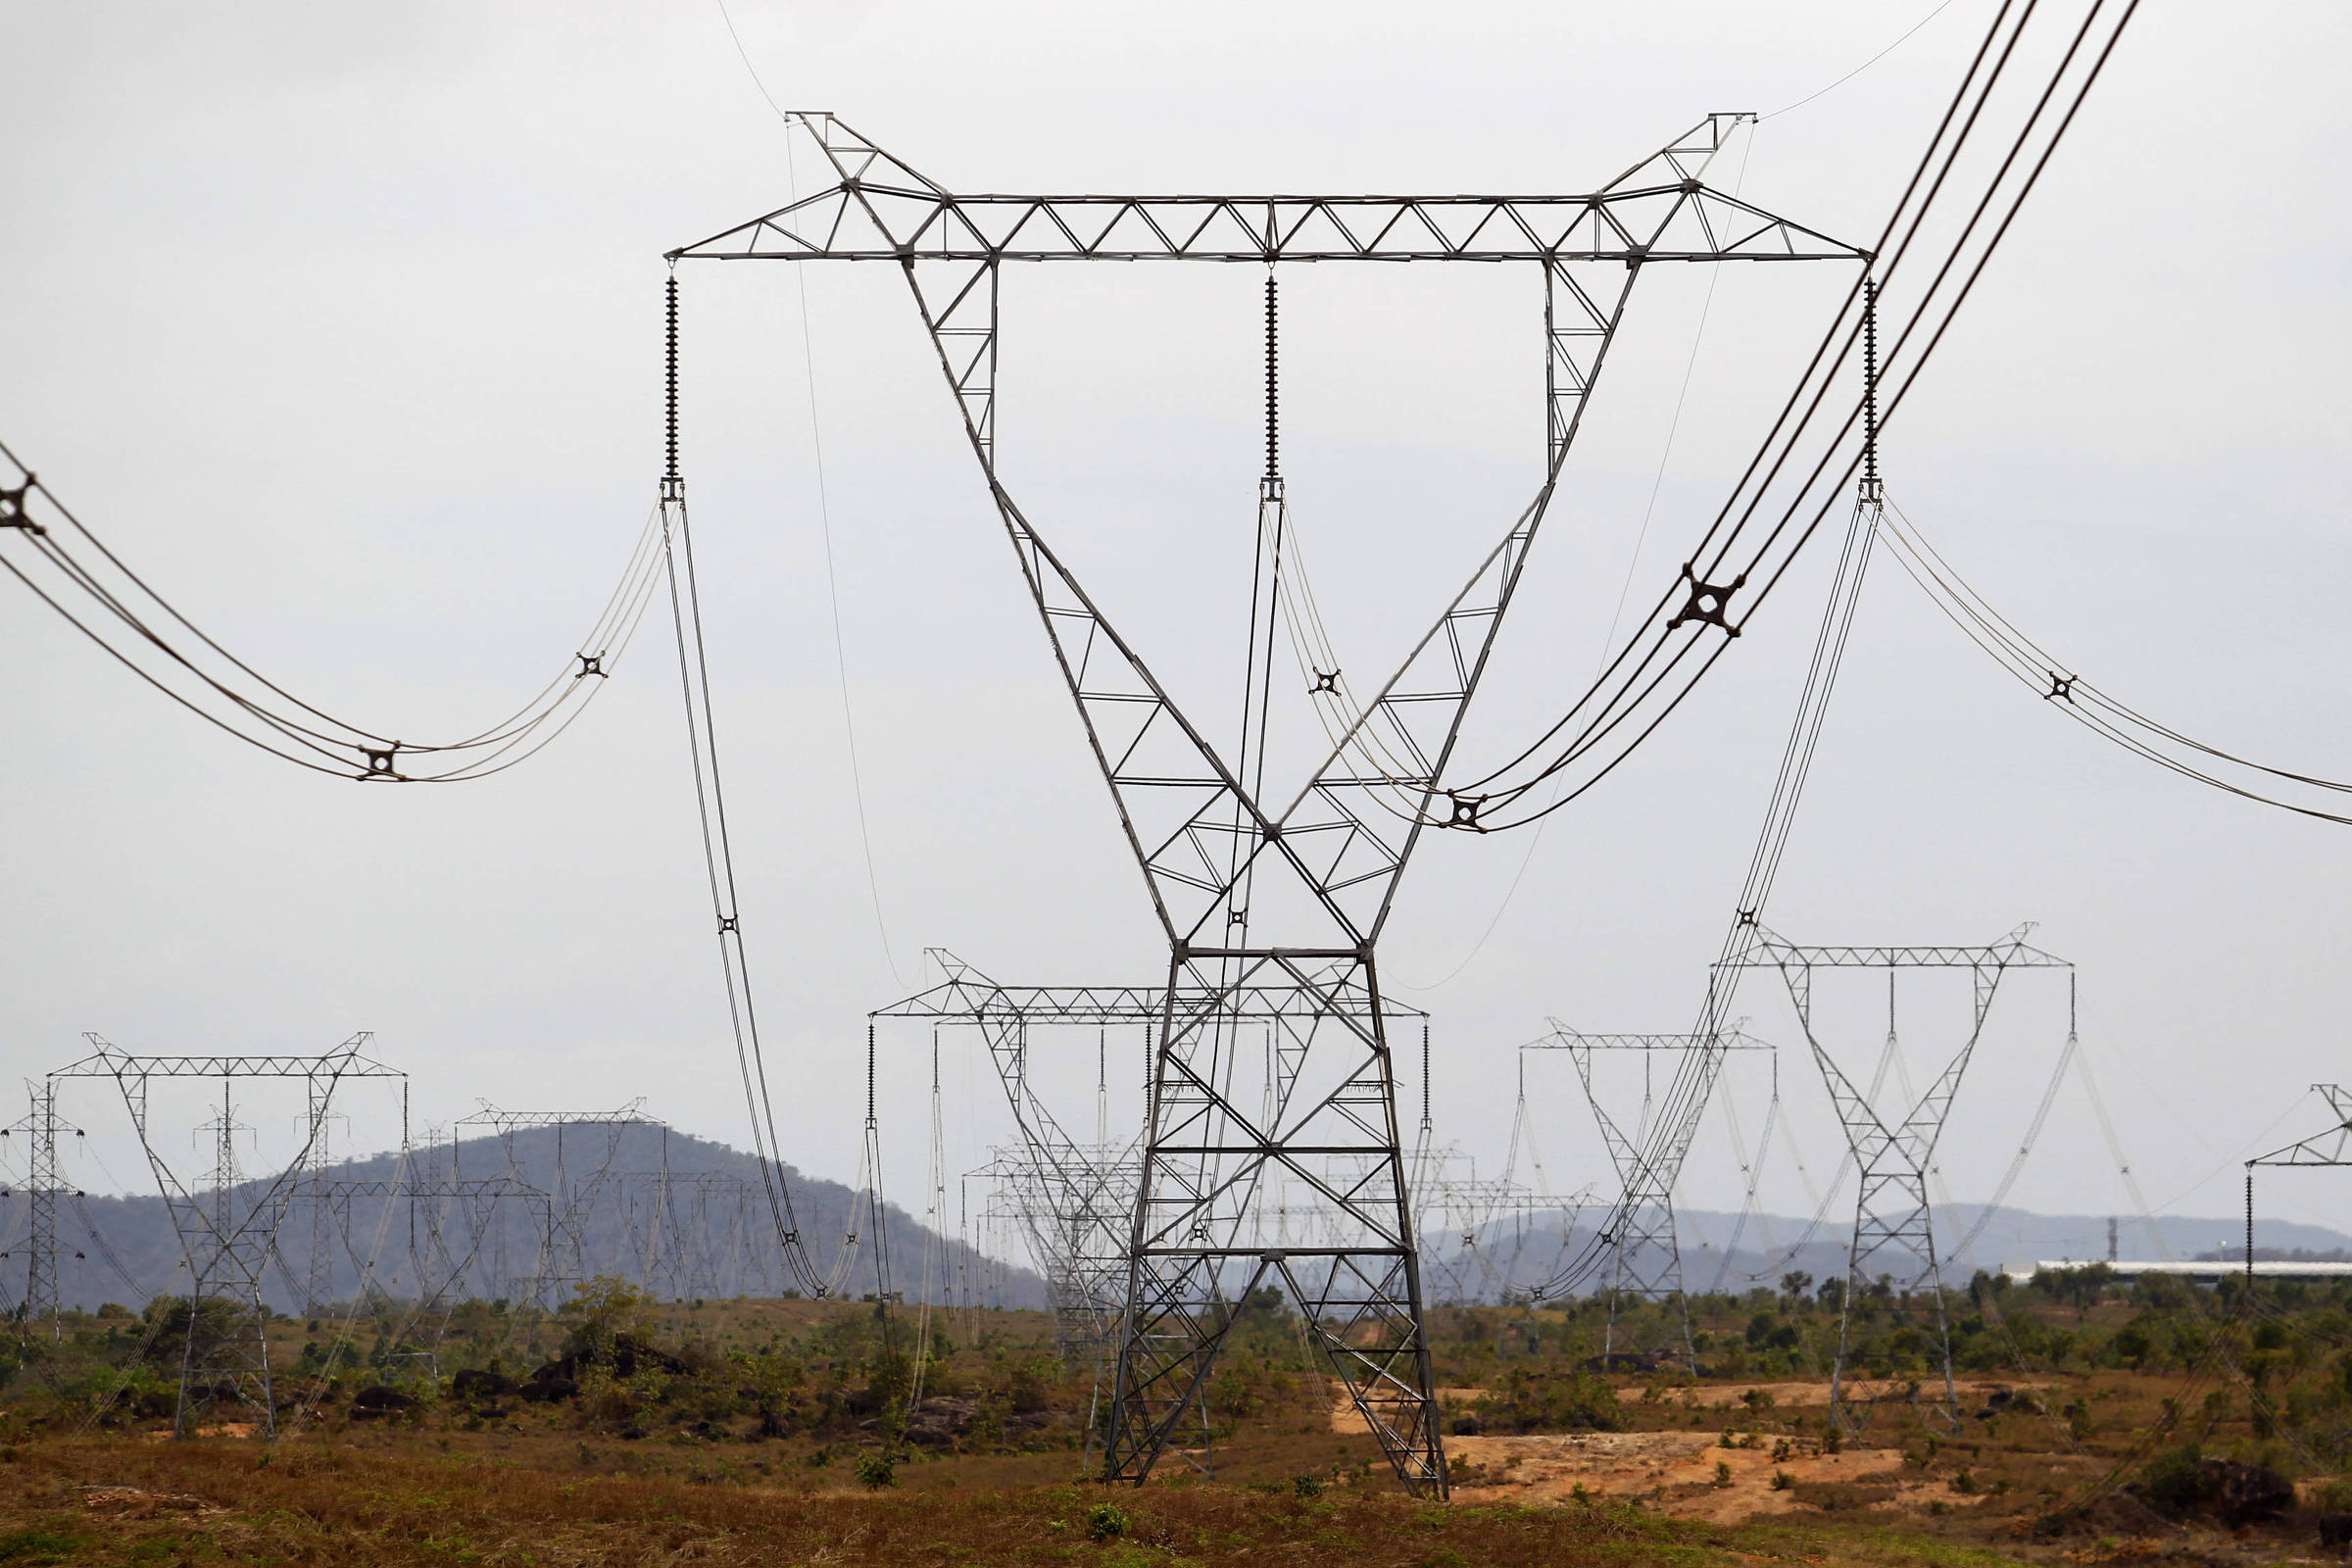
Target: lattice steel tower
[(1643, 1247), (44, 1185), (1893, 1150), (227, 1235), (1288, 890)]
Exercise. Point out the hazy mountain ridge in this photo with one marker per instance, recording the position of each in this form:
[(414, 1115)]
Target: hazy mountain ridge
[(718, 1239)]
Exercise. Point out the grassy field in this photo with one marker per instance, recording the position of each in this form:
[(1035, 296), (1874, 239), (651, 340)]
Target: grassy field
[(793, 1431), (338, 1502)]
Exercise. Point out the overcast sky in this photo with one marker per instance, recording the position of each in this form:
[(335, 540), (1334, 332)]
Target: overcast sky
[(342, 326)]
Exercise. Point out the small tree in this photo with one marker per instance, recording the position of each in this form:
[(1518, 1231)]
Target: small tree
[(601, 1312)]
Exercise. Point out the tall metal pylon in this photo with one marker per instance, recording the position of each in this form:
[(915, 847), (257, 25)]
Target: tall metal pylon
[(1251, 891), (562, 1247), (327, 1201), (44, 1185), (1452, 1201), (1895, 1231), (226, 1236), (1644, 1248)]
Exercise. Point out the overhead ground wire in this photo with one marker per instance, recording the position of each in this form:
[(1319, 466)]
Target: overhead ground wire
[(824, 511), (1900, 40)]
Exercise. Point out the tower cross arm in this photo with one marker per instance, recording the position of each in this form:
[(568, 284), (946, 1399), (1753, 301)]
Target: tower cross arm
[(862, 223), (963, 1002), (1771, 952), (878, 209), (2330, 1147), (1563, 1038), (631, 1115), (104, 1066)]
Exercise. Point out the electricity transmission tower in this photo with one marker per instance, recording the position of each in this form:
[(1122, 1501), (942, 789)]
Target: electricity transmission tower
[(1892, 1154), (44, 1185), (1644, 1250), (429, 1197), (1253, 888), (226, 1235), (567, 1200), (1450, 1198), (700, 1234)]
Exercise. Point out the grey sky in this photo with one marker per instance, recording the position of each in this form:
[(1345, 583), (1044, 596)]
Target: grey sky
[(342, 326)]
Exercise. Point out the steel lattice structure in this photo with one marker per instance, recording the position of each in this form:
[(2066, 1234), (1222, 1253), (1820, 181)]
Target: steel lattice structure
[(228, 1240), (1075, 1202), (1644, 1250), (1892, 1219), (562, 1240), (2332, 1147), (44, 1185), (1318, 874), (1450, 1198)]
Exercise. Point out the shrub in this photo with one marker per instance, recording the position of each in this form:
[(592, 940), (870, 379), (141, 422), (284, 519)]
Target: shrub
[(878, 1469), (1529, 1401), (1306, 1486), (603, 1310), (38, 1546), (1106, 1521), (2170, 1481)]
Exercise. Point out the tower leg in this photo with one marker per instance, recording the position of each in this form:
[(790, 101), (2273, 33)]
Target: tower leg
[(1646, 1265), (1893, 1224), (1206, 1240)]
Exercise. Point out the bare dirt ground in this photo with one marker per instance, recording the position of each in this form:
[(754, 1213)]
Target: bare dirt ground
[(1678, 1472), (1345, 1417)]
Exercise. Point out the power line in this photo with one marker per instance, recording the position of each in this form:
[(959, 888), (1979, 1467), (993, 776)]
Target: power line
[(1657, 670), (115, 608), (2061, 688), (718, 855)]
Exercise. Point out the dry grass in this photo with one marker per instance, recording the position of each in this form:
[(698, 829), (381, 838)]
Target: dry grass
[(102, 1501), (471, 1479)]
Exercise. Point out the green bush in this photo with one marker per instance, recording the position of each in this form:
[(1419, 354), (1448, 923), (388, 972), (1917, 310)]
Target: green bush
[(38, 1546), (2169, 1481), (1524, 1399), (1108, 1521), (878, 1469)]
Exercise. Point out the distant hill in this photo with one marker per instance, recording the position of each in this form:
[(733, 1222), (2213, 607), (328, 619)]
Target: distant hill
[(1719, 1252), (705, 1229)]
